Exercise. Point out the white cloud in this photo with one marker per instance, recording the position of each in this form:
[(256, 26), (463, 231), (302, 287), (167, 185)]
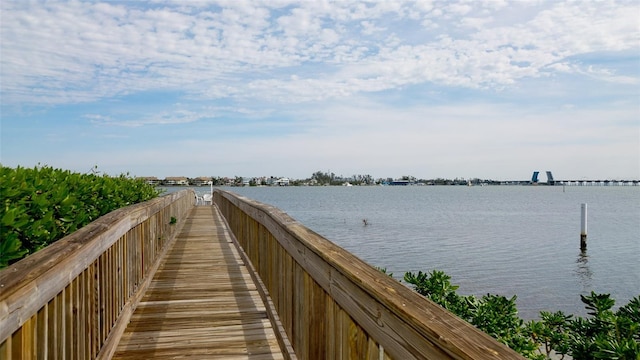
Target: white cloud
[(369, 28), (425, 141), (331, 71), (162, 118), (458, 9), (82, 51), (476, 22)]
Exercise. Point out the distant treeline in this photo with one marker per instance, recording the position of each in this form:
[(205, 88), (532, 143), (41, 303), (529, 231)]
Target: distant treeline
[(318, 178), (326, 178)]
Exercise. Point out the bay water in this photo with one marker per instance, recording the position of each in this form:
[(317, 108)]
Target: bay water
[(506, 240)]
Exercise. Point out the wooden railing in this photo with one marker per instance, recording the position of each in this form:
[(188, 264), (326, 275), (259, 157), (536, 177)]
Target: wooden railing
[(73, 299), (332, 305)]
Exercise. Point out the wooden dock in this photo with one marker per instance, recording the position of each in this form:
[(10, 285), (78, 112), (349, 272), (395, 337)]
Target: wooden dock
[(236, 279), (202, 301)]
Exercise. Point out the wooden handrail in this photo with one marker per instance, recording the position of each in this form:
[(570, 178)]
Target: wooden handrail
[(71, 299), (334, 305)]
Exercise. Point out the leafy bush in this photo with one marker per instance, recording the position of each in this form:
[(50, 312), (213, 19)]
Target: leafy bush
[(493, 314), (41, 205), (604, 335)]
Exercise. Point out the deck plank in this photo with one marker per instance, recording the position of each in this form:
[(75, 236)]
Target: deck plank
[(201, 303)]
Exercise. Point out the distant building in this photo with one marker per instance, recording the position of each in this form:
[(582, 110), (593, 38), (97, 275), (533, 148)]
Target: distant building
[(201, 181), (151, 180), (282, 182), (399, 182), (177, 181)]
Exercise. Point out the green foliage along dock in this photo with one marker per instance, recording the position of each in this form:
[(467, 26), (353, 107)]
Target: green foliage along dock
[(41, 205)]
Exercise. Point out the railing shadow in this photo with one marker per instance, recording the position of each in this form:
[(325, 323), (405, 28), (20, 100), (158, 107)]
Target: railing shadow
[(149, 307), (256, 337), (193, 289)]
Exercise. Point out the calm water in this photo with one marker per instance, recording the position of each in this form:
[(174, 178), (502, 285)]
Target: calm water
[(508, 240)]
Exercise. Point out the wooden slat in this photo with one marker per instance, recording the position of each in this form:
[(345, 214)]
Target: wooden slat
[(201, 303), (67, 317), (5, 349), (257, 276)]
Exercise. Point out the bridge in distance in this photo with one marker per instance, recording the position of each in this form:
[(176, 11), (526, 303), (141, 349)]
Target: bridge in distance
[(572, 182)]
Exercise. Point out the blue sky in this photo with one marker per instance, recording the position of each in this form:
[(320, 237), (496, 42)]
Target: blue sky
[(490, 89)]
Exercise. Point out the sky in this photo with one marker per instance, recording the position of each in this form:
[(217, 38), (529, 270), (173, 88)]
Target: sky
[(490, 89)]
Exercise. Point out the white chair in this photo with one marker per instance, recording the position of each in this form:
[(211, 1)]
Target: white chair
[(207, 199), (199, 200)]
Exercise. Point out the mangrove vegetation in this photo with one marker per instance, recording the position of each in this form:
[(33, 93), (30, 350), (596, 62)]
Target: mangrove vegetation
[(41, 205)]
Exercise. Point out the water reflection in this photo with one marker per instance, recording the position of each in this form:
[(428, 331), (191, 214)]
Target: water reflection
[(584, 271)]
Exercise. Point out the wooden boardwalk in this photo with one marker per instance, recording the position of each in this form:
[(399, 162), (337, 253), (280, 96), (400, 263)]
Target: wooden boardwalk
[(202, 302)]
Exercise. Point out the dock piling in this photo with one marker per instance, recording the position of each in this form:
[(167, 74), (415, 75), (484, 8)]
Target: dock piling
[(583, 227)]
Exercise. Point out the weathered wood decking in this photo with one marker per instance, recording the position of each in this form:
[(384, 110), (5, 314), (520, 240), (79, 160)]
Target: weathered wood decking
[(202, 301)]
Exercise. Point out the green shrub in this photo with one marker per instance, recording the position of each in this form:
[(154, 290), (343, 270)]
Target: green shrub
[(604, 335), (41, 205)]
